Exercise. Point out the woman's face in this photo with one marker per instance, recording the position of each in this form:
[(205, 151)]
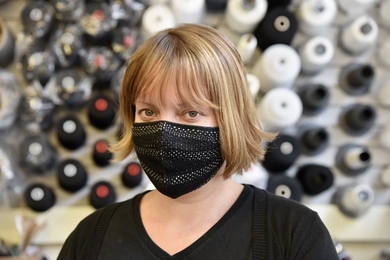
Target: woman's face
[(173, 110)]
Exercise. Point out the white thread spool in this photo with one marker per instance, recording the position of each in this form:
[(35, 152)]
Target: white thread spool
[(384, 177), (383, 12), (356, 200), (316, 16), (356, 7), (242, 16), (278, 66), (279, 109), (357, 158), (384, 137), (156, 2), (246, 47), (384, 95), (254, 85), (359, 35), (384, 53), (157, 18), (188, 11), (315, 54)]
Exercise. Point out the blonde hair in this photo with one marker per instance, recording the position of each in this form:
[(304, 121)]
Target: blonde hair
[(207, 70)]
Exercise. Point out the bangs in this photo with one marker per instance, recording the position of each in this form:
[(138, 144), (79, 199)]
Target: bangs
[(180, 70)]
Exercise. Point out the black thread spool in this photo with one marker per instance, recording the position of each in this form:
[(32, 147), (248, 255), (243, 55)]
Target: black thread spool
[(68, 11), (37, 155), (70, 132), (132, 175), (7, 44), (278, 3), (102, 64), (315, 178), (102, 194), (314, 140), (125, 42), (38, 65), (66, 44), (101, 111), (39, 197), (353, 159), (281, 153), (71, 175), (35, 110), (37, 19), (101, 154), (278, 26), (356, 79), (97, 24), (357, 119), (216, 6), (284, 186), (314, 97), (73, 88)]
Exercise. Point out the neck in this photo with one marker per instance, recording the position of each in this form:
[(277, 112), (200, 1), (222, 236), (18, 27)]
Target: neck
[(212, 200)]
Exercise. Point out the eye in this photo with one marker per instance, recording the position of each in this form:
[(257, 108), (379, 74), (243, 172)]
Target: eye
[(193, 114), (147, 112)]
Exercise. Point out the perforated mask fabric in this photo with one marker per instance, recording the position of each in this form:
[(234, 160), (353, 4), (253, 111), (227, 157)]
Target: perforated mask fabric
[(177, 158)]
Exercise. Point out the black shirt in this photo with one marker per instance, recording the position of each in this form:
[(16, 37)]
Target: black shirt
[(285, 230)]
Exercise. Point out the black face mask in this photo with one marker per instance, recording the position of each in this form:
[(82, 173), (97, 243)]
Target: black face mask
[(177, 158)]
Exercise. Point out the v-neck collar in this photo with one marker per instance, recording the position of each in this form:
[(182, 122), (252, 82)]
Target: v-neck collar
[(160, 253)]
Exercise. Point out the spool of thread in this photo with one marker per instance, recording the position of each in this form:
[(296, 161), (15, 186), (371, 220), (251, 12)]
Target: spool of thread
[(254, 85), (125, 41), (356, 7), (357, 119), (37, 18), (384, 177), (242, 16), (279, 109), (246, 47), (354, 200), (359, 35), (315, 178), (7, 44), (279, 25), (315, 54), (314, 140), (38, 65), (353, 159), (101, 111), (70, 132), (314, 97), (102, 194), (384, 95), (384, 137), (71, 175), (97, 23), (284, 186), (383, 12), (68, 11), (37, 155), (216, 6), (101, 154), (356, 79), (281, 153), (156, 18), (132, 175), (278, 66), (384, 53), (188, 11), (39, 197), (275, 3), (316, 16)]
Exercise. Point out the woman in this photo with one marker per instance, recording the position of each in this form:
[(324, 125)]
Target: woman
[(189, 116)]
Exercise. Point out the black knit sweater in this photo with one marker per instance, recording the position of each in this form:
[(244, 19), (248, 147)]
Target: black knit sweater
[(284, 230)]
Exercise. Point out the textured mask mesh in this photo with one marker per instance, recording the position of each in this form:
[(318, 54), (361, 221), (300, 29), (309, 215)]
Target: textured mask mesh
[(177, 158)]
